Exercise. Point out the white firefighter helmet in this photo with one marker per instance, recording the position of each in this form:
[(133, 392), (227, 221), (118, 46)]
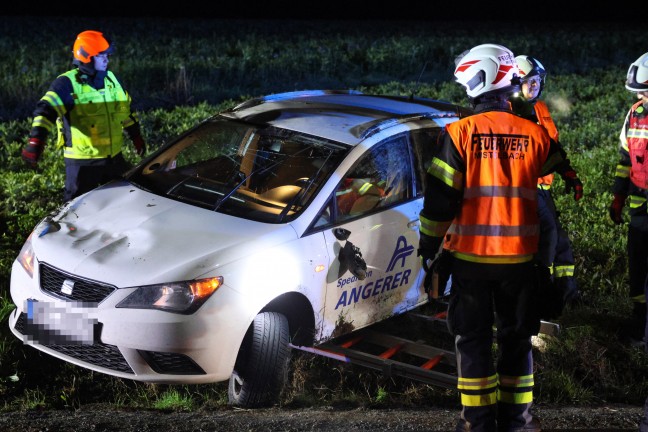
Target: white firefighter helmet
[(487, 69), (637, 78), (531, 67)]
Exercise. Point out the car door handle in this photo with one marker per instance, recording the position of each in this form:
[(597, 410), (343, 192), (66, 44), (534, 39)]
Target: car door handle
[(413, 224)]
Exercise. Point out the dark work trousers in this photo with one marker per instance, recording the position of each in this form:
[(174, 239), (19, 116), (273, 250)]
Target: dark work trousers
[(637, 263), (83, 175), (496, 394), (638, 273), (643, 426), (555, 249)]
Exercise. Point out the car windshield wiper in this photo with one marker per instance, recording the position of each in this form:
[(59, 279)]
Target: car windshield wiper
[(305, 188), (261, 172), (244, 179)]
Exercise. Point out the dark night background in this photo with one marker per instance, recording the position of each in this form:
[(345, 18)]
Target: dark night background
[(569, 12)]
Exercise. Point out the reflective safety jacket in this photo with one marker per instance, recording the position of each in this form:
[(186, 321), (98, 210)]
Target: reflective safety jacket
[(90, 121), (545, 120), (482, 187), (352, 190), (636, 144), (631, 176)]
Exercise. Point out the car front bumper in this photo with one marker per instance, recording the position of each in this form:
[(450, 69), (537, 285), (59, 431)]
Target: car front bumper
[(141, 344)]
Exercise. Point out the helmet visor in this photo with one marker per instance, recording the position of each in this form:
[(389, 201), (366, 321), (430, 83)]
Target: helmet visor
[(108, 51), (531, 87)]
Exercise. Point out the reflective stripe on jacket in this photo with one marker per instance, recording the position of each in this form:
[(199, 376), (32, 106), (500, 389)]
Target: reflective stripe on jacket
[(637, 145), (98, 118), (504, 155), (545, 120)]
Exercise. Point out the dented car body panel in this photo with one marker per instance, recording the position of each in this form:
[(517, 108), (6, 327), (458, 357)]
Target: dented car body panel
[(304, 203)]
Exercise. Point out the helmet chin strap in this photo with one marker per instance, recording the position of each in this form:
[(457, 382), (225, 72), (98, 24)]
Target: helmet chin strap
[(86, 68), (498, 97), (491, 102), (92, 76)]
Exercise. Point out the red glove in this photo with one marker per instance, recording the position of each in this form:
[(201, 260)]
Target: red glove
[(573, 182), (616, 208), (140, 145), (32, 151)]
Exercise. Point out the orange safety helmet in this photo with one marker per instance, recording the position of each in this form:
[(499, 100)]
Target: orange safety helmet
[(88, 44)]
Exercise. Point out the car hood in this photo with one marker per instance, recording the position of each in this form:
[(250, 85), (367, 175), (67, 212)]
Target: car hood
[(125, 236)]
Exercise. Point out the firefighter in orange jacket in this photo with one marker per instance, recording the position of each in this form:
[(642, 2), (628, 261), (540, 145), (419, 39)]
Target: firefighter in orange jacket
[(631, 180), (555, 249), (481, 198), (88, 109)]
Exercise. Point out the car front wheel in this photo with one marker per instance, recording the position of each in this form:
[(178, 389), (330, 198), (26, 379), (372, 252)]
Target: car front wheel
[(261, 367)]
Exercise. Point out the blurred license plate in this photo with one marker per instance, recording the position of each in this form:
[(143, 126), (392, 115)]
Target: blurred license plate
[(58, 324)]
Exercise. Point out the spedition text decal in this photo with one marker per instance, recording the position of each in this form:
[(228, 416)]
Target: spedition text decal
[(371, 289), (375, 287)]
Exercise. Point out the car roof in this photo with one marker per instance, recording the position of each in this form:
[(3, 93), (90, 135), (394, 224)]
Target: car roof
[(346, 116)]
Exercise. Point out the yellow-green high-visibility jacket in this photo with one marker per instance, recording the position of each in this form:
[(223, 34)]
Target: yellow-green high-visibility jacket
[(88, 121), (97, 120)]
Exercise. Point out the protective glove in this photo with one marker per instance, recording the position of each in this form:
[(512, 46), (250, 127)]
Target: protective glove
[(428, 250), (140, 145), (616, 208), (572, 182), (550, 299), (32, 151)]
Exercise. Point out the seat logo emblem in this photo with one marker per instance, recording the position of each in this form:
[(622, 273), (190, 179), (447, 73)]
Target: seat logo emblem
[(67, 287)]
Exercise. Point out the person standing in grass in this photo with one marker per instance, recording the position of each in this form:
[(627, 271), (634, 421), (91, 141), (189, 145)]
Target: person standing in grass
[(555, 249), (89, 109), (480, 204), (631, 180)]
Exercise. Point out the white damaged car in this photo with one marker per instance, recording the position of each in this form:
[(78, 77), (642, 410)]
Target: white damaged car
[(284, 222)]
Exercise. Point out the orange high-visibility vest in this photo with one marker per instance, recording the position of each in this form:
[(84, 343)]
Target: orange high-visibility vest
[(504, 155), (545, 120)]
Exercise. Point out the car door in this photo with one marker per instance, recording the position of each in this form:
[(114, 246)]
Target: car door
[(374, 271)]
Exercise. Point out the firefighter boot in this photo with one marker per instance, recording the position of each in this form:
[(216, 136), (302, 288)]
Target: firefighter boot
[(532, 426), (464, 426), (477, 419), (516, 418)]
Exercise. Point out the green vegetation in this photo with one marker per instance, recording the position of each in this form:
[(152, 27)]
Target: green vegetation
[(181, 71)]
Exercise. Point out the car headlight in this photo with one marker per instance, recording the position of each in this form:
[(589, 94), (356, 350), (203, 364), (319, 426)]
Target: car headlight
[(26, 257), (179, 297)]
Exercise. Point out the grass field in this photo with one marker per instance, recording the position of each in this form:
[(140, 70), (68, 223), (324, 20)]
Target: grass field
[(180, 71)]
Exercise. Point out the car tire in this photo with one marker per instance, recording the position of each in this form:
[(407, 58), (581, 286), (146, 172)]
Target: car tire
[(261, 368)]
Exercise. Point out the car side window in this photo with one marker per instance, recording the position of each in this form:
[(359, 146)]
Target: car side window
[(425, 144), (380, 179)]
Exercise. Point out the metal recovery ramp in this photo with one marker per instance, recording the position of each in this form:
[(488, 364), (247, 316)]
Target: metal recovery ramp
[(394, 356)]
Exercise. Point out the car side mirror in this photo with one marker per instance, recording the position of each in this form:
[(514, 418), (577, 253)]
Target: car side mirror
[(341, 233)]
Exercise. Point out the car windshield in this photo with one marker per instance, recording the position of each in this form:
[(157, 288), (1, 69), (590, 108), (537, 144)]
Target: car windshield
[(259, 173)]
